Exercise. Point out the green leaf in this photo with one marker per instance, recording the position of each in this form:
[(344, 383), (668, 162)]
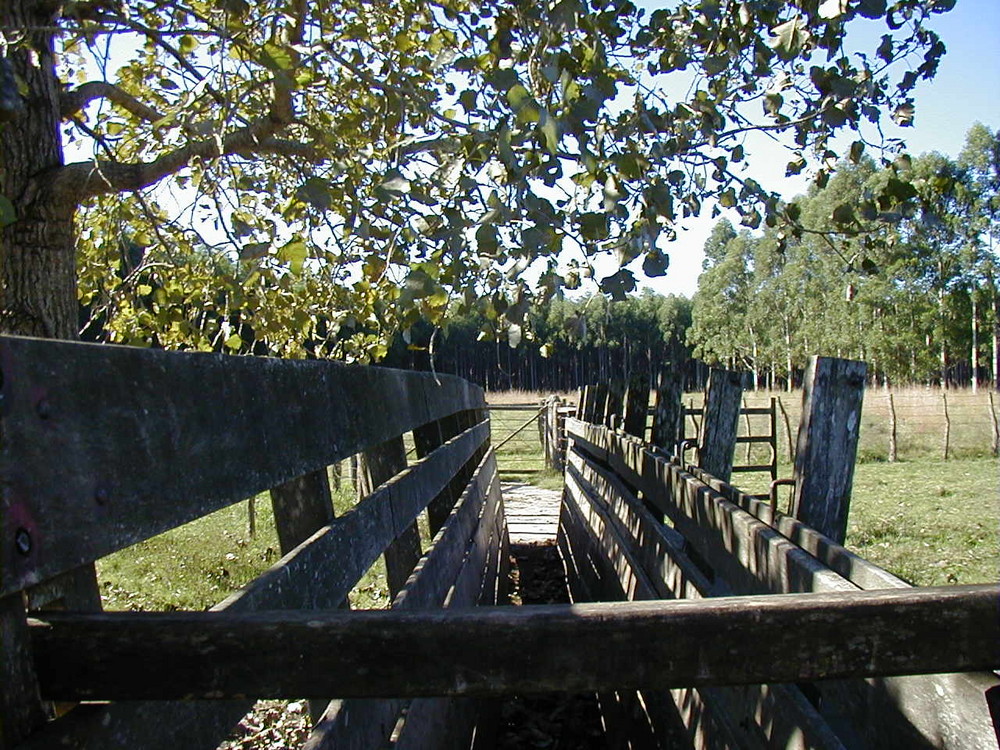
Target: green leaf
[(234, 342), (618, 285), (872, 8), (903, 116), (276, 58), (395, 185), (316, 192), (593, 226), (788, 38), (294, 254), (7, 213), (549, 128), (655, 263), (254, 250), (188, 44)]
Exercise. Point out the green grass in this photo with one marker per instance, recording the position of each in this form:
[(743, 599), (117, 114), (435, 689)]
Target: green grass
[(199, 564), (930, 522)]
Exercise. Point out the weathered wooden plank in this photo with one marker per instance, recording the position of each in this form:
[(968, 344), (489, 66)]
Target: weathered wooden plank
[(615, 403), (146, 438), (827, 444), (434, 723), (483, 651), (21, 710), (747, 716), (745, 554), (906, 707), (717, 437), (379, 464), (636, 405), (668, 411), (368, 723), (303, 579), (301, 507), (425, 439)]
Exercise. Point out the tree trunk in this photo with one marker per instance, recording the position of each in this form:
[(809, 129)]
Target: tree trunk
[(37, 252), (974, 360)]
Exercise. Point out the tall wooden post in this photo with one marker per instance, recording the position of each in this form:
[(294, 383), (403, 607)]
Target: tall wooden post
[(720, 420), (668, 412), (636, 405), (616, 403), (301, 507), (381, 463), (597, 410), (828, 443)]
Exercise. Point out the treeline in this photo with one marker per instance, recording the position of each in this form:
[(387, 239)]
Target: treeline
[(568, 344), (913, 292)]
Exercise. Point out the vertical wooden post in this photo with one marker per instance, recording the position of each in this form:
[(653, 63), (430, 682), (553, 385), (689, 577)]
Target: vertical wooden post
[(995, 441), (426, 439), (828, 443), (301, 507), (720, 420), (382, 463), (598, 410), (668, 412), (616, 402), (947, 426), (749, 424), (21, 710), (788, 431), (773, 419), (893, 444), (636, 405)]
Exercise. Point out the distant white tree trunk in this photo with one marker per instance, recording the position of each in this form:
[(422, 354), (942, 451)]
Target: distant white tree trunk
[(975, 342)]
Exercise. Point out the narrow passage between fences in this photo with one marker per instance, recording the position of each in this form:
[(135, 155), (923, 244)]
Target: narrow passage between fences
[(557, 721)]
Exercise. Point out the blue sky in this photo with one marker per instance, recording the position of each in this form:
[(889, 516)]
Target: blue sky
[(966, 90)]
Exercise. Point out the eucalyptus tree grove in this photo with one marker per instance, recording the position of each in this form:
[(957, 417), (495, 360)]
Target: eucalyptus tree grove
[(913, 291), (303, 178)]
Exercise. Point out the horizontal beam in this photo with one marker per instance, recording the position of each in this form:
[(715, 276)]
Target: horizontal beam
[(490, 651), (148, 440)]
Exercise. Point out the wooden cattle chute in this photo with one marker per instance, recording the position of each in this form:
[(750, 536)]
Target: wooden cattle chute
[(106, 446), (639, 524)]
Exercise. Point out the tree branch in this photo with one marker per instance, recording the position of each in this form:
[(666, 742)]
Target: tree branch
[(74, 101), (74, 183)]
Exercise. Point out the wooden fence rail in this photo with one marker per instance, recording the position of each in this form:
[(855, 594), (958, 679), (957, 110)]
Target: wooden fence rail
[(721, 542), (107, 446), (702, 616)]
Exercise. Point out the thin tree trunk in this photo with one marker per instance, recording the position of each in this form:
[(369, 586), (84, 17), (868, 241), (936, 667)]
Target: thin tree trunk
[(974, 361)]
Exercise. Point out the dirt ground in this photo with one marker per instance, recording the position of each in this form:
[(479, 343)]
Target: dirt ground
[(546, 721)]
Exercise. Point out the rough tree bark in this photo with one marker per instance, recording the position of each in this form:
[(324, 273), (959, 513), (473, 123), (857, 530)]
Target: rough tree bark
[(37, 252)]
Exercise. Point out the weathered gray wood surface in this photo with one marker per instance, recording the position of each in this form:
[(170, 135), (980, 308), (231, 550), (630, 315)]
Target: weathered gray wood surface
[(828, 444), (146, 439), (482, 651), (668, 411), (302, 579), (364, 723), (717, 436), (301, 507), (636, 405), (379, 464), (944, 710)]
